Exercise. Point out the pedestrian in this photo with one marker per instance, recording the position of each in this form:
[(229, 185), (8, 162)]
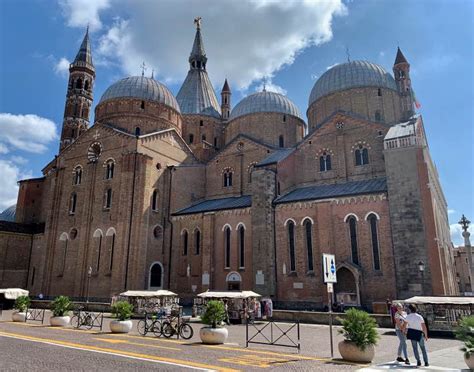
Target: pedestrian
[(417, 333), (341, 305), (226, 308), (400, 317)]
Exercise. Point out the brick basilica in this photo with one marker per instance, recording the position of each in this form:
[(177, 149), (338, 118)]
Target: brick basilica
[(189, 194)]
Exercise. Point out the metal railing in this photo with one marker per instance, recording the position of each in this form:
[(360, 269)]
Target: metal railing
[(273, 333), (35, 315)]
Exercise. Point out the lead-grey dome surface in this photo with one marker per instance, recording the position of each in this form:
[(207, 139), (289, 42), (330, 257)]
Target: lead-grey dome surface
[(8, 214), (143, 88), (351, 74), (265, 102)]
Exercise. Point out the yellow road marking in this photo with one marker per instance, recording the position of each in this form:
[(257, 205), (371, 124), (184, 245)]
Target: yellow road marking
[(146, 338), (118, 352), (256, 361), (135, 343)]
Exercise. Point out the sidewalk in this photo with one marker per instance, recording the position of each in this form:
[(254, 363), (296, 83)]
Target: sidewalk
[(449, 359)]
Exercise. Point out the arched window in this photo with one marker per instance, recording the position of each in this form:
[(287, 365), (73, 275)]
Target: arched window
[(241, 246), (379, 92), (137, 131), (372, 218), (108, 199), (63, 244), (154, 201), (227, 246), (227, 175), (86, 85), (325, 162), (203, 137), (156, 275), (353, 237), (72, 203), (291, 243), (158, 232), (281, 141), (284, 118), (250, 171), (142, 105), (98, 248), (77, 177), (361, 155), (110, 241), (109, 169), (197, 242), (378, 116), (308, 225), (191, 138), (185, 243), (79, 83)]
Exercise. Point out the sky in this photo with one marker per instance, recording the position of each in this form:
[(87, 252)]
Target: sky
[(289, 44)]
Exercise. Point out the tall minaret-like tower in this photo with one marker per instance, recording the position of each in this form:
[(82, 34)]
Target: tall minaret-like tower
[(401, 71), (79, 94), (225, 100)]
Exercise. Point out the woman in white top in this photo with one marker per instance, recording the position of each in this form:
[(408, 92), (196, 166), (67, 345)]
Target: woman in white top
[(417, 333), (400, 317)]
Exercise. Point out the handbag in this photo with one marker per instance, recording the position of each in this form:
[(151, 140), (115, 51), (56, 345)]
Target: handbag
[(414, 334)]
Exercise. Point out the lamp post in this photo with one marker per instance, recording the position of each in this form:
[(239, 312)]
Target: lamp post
[(464, 222), (89, 274), (421, 268)]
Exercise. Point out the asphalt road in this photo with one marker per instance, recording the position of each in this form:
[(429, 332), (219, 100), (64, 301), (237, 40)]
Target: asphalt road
[(35, 347)]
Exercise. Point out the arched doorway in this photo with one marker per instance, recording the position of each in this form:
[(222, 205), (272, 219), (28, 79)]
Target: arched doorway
[(155, 278), (347, 286), (233, 280)]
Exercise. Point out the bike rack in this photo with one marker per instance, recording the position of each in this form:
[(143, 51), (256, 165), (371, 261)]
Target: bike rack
[(270, 339), (36, 315), (96, 318)]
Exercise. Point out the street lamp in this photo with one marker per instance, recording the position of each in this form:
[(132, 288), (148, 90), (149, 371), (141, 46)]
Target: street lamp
[(89, 274), (421, 267)]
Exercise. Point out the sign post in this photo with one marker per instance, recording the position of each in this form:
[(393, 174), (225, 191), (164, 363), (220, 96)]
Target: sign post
[(329, 268)]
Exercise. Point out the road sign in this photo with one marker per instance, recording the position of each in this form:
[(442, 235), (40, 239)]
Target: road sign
[(330, 288), (329, 268)]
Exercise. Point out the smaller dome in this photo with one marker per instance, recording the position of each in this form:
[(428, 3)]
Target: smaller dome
[(353, 74), (8, 214), (265, 102), (141, 87)]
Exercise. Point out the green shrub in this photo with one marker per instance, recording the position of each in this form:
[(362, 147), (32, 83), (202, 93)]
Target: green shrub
[(122, 310), (359, 328), (465, 333), (61, 306), (22, 303), (214, 314)]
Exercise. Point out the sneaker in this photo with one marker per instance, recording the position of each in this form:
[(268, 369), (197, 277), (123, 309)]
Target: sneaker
[(418, 364), (426, 364), (399, 359), (407, 361)]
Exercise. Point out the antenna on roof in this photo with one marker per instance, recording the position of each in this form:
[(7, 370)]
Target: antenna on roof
[(348, 55), (143, 67), (264, 84)]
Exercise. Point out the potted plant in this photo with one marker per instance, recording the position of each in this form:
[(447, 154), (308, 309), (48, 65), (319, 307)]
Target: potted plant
[(465, 333), (122, 310), (359, 331), (22, 303), (61, 307), (214, 315)]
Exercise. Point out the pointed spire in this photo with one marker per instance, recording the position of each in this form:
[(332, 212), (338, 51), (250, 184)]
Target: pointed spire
[(198, 58), (84, 54), (226, 87), (400, 58)]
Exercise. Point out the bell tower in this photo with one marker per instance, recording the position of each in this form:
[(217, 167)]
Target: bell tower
[(401, 71), (79, 94), (225, 100)]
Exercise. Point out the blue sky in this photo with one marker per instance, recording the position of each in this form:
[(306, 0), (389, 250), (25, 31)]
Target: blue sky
[(290, 43)]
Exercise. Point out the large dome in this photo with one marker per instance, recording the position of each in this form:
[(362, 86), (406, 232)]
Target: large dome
[(265, 102), (8, 214), (141, 87), (352, 74)]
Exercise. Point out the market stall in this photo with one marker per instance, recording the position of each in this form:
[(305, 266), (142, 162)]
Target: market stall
[(238, 303), (9, 295), (150, 301)]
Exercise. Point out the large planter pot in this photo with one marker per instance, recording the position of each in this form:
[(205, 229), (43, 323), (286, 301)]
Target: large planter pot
[(60, 321), (19, 316), (352, 353), (469, 361), (121, 326), (213, 336)]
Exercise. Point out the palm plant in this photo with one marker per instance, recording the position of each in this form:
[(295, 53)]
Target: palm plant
[(61, 306), (465, 333), (360, 328), (214, 314), (22, 303)]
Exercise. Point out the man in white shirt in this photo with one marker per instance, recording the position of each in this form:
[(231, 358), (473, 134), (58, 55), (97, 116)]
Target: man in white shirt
[(415, 327)]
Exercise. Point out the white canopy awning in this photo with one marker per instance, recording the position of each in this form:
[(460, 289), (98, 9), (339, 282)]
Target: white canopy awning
[(13, 293), (159, 293), (440, 300), (228, 294)]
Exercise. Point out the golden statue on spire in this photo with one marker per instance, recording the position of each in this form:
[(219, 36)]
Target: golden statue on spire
[(197, 22)]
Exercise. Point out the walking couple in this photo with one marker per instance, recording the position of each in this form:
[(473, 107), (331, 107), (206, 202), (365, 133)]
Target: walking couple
[(413, 328)]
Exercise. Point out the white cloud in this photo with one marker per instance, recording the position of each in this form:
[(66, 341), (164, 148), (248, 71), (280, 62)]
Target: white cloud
[(456, 234), (3, 149), (244, 40), (81, 13), (20, 160), (270, 87), (8, 183), (451, 211), (26, 132), (61, 67)]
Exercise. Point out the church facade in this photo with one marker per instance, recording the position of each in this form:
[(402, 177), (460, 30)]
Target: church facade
[(188, 193)]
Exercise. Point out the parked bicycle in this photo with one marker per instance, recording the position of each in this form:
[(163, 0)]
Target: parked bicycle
[(174, 326), (82, 319), (151, 323)]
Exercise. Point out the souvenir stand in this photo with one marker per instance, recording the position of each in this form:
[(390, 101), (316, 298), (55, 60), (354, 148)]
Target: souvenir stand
[(238, 303), (151, 301)]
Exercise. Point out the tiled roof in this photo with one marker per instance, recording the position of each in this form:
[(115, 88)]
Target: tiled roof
[(401, 130), (275, 157), (21, 228), (335, 190), (400, 58), (217, 205)]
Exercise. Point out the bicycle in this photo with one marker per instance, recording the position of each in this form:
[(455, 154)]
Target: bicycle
[(82, 319), (150, 324), (171, 327)]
